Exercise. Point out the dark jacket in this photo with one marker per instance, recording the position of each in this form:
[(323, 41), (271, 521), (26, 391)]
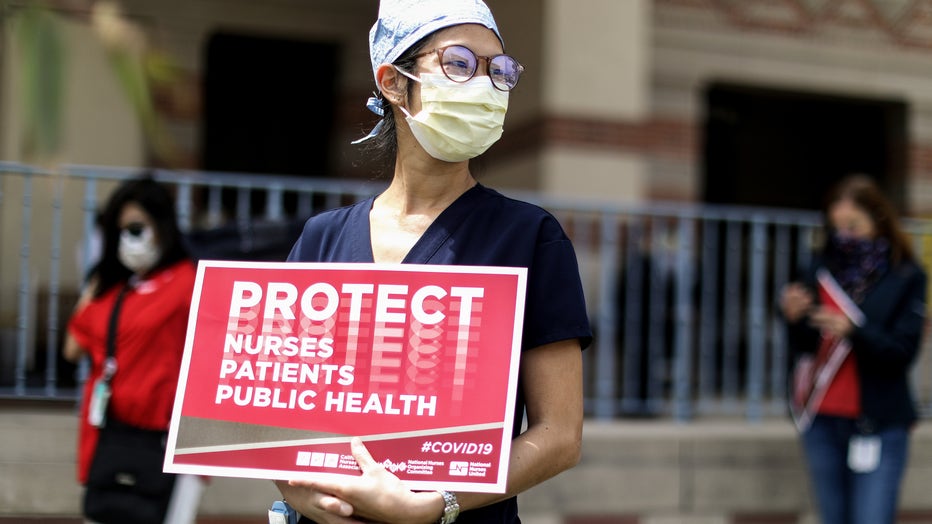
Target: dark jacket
[(885, 346)]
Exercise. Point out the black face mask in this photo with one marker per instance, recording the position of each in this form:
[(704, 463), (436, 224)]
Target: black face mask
[(857, 262)]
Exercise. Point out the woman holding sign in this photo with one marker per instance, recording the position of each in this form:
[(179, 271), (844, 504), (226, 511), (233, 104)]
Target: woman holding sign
[(443, 87), (860, 316)]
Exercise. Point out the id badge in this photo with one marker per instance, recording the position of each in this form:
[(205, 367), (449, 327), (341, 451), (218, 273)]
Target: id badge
[(277, 518), (97, 410), (864, 453), (282, 513)]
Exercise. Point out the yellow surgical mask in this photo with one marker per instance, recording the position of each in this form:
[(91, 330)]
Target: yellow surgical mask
[(457, 121)]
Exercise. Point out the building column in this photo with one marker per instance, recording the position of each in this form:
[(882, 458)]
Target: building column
[(596, 58)]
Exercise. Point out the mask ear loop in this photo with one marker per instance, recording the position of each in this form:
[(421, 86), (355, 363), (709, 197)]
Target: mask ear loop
[(412, 77), (375, 105), (407, 74)]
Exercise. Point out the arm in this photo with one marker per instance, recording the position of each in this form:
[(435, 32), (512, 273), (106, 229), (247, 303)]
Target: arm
[(893, 347), (796, 303), (72, 351), (552, 378)]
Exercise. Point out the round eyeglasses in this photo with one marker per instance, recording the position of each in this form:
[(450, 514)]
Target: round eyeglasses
[(460, 64)]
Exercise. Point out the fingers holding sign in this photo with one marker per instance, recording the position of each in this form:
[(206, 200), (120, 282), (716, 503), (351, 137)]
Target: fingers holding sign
[(375, 496), (322, 507)]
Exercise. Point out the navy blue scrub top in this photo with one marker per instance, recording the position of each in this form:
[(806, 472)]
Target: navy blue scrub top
[(481, 228)]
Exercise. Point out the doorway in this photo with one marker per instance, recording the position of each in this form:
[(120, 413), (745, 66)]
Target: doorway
[(268, 104), (785, 148), (268, 108)]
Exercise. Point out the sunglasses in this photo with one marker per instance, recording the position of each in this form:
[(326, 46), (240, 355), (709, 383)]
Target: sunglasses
[(135, 229), (460, 64)]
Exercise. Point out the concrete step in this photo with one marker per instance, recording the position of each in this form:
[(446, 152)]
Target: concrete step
[(631, 472)]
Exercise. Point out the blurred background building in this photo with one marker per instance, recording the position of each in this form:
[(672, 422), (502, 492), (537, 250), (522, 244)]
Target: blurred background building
[(755, 103)]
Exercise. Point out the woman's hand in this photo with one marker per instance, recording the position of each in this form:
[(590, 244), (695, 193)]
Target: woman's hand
[(71, 350), (319, 507), (795, 302), (375, 496), (87, 294), (831, 321)]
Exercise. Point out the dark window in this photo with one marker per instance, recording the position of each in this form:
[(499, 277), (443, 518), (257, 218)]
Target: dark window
[(782, 148), (268, 107)]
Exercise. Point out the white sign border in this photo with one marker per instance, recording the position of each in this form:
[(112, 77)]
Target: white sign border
[(499, 486)]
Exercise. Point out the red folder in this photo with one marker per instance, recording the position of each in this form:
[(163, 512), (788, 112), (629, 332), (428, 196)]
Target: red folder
[(814, 373)]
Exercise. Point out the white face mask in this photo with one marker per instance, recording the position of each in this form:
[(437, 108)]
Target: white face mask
[(138, 252), (457, 121)]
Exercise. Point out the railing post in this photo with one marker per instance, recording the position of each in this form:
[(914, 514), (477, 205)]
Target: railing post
[(683, 355), (731, 306), (51, 351), (605, 374), (183, 205), (305, 207), (274, 209), (756, 343), (244, 218), (657, 340), (709, 306), (214, 205), (23, 316), (90, 228), (778, 362), (631, 385)]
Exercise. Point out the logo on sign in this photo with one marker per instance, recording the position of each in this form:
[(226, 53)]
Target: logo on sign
[(459, 468)]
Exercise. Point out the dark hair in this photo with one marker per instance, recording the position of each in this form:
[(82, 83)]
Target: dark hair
[(861, 190), (158, 203), (384, 145)]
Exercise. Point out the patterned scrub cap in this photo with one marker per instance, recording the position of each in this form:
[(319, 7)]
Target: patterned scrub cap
[(402, 23)]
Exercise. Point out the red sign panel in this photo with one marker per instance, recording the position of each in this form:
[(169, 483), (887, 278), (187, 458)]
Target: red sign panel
[(285, 362)]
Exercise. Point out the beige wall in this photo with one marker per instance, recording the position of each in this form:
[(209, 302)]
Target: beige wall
[(598, 66), (847, 52), (598, 58), (98, 127), (521, 26), (594, 173), (590, 60)]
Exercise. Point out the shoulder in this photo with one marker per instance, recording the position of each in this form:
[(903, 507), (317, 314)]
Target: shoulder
[(512, 213), (902, 283), (909, 271), (186, 268), (181, 271), (488, 197), (323, 232), (176, 279), (335, 217)]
